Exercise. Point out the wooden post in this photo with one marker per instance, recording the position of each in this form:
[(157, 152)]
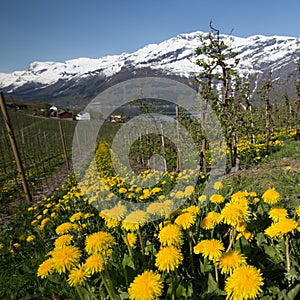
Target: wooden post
[(202, 162), (63, 144), (178, 167), (77, 141), (163, 148), (14, 148)]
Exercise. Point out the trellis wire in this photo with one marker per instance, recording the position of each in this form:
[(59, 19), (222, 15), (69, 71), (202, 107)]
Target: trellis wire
[(40, 146)]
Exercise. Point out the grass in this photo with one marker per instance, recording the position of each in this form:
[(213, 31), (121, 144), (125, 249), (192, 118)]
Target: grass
[(272, 171), (18, 266)]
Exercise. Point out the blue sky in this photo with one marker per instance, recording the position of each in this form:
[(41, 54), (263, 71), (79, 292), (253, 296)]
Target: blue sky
[(44, 30)]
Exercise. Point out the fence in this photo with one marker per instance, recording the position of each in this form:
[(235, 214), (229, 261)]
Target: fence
[(44, 148)]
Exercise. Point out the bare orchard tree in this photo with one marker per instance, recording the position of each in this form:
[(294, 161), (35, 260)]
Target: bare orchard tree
[(264, 92), (297, 107), (216, 81)]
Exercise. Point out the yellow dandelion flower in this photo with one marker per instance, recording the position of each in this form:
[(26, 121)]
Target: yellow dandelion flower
[(212, 249), (76, 217), (244, 283), (202, 198), (134, 220), (231, 260), (130, 196), (64, 258), (192, 209), (34, 222), (44, 222), (63, 240), (111, 223), (256, 200), (16, 245), (233, 213), (22, 237), (283, 226), (30, 238), (239, 195), (155, 190), (271, 196), (146, 194), (168, 258), (163, 224), (64, 228), (45, 268), (159, 209), (87, 215), (272, 231), (99, 242), (130, 239), (78, 275), (298, 211), (138, 189), (185, 220), (246, 234), (146, 286), (241, 226), (211, 220), (170, 235), (277, 213), (118, 212), (179, 194), (1, 246), (122, 190), (241, 201), (217, 198), (189, 190), (218, 185), (94, 264)]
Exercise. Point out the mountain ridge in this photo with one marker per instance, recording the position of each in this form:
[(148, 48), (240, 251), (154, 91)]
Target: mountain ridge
[(77, 81)]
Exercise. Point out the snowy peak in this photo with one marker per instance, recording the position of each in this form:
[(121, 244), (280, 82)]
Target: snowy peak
[(173, 57)]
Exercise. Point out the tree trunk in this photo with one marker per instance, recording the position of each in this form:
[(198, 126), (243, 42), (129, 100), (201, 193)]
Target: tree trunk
[(287, 114)]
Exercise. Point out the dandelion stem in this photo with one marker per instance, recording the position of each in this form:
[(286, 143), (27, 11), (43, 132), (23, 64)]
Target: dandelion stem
[(191, 251), (288, 262), (173, 286), (110, 292), (232, 237), (107, 281), (90, 291), (127, 244), (79, 293), (217, 275), (141, 243)]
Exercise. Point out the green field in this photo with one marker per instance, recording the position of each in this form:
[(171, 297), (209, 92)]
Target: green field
[(26, 239), (40, 147)]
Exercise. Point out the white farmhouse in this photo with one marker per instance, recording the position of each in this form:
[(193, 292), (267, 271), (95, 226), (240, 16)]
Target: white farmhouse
[(83, 116)]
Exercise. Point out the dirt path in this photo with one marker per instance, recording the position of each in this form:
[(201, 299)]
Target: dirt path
[(47, 187)]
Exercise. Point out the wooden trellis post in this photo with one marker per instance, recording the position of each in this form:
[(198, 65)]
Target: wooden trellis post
[(62, 136), (14, 148)]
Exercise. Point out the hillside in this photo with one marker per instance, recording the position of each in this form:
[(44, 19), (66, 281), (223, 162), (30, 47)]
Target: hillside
[(75, 82)]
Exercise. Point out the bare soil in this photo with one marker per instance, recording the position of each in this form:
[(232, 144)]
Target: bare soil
[(46, 188)]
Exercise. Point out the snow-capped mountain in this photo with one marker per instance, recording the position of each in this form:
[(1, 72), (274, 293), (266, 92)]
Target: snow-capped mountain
[(77, 81)]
